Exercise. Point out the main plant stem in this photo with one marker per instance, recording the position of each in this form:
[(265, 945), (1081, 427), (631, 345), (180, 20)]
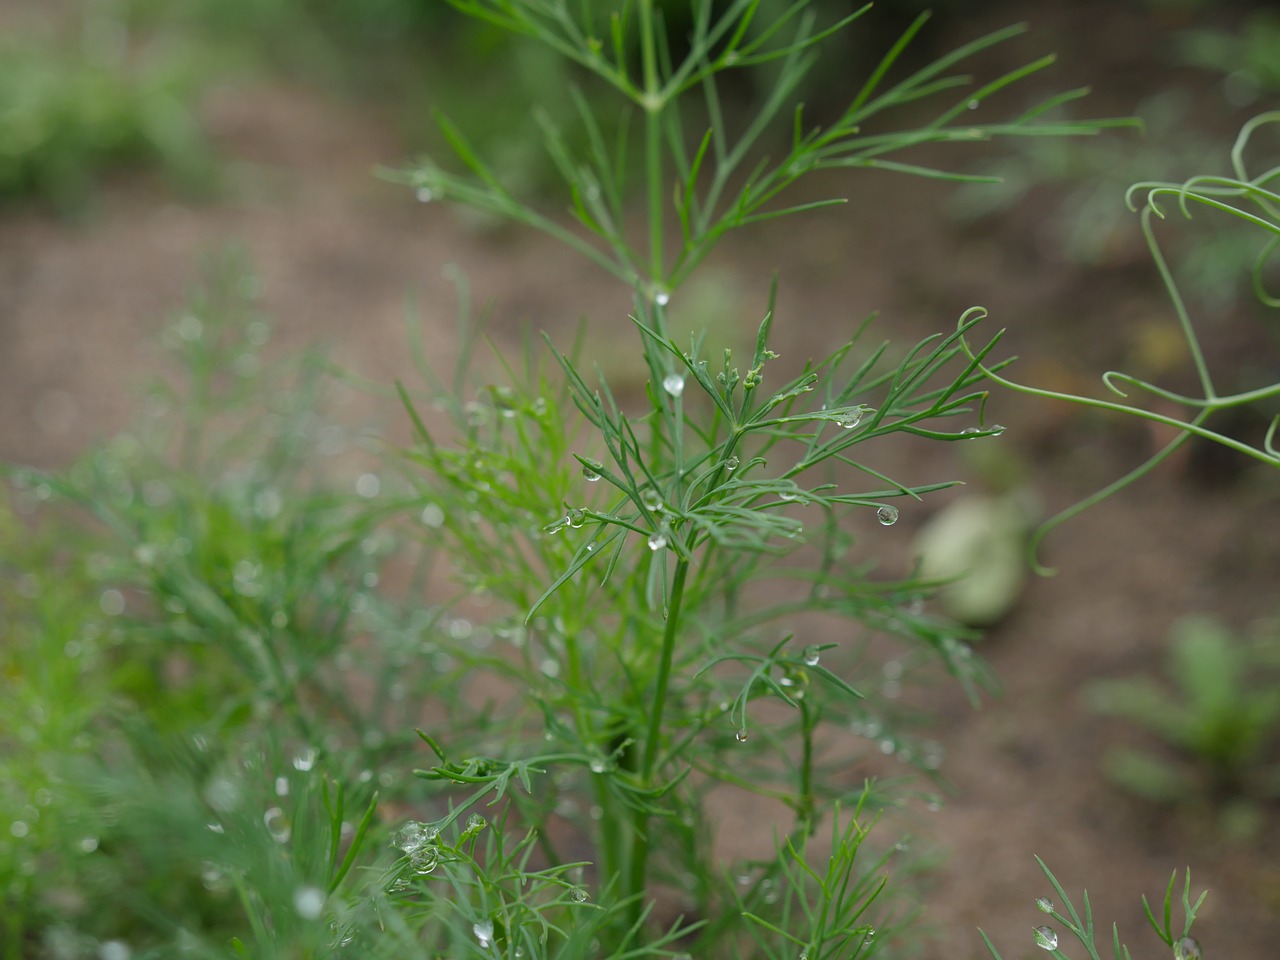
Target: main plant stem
[(640, 820), (652, 102)]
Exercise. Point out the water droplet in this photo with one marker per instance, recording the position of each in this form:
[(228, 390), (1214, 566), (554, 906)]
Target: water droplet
[(887, 515), (732, 463), (741, 735), (368, 485), (114, 950), (277, 825), (673, 383), (267, 504), (1046, 938), (576, 517), (309, 902), (598, 765), (424, 860), (578, 895), (88, 844), (662, 298), (111, 602), (484, 932), (996, 429), (19, 828), (410, 837), (591, 470), (282, 786), (1044, 905), (651, 499), (190, 328), (425, 194), (476, 822), (970, 432), (657, 541), (811, 656), (849, 418), (1188, 948), (973, 104), (432, 516)]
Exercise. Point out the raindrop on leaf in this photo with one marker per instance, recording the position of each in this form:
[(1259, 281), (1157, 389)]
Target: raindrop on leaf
[(1046, 938)]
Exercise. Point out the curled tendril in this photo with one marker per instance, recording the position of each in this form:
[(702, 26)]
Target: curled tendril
[(1227, 195)]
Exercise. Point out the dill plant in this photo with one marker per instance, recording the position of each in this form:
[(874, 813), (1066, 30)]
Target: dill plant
[(666, 569)]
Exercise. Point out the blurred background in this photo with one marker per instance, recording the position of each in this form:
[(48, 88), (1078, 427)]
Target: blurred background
[(138, 135)]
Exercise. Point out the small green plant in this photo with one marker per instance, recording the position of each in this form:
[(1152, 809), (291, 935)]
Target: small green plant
[(72, 107), (653, 558), (184, 758), (1184, 946), (1220, 712), (1250, 199)]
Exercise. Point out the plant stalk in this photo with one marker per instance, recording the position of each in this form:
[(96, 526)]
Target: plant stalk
[(640, 820)]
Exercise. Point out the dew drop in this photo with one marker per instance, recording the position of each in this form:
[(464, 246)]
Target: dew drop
[(267, 504), (651, 499), (887, 515), (578, 895), (996, 429), (1044, 905), (970, 432), (849, 418), (1046, 938), (277, 825), (88, 844), (425, 194), (598, 765), (662, 298), (1188, 948), (432, 516), (576, 517), (114, 950), (484, 932), (591, 470), (732, 463), (657, 541), (368, 485), (673, 383), (424, 860), (741, 735), (811, 656), (476, 822), (973, 104), (410, 837), (111, 602), (309, 902)]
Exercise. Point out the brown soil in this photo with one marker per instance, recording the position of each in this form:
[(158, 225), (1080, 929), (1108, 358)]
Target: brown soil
[(338, 250)]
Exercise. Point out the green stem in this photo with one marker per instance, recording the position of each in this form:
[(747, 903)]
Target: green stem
[(640, 821), (653, 102)]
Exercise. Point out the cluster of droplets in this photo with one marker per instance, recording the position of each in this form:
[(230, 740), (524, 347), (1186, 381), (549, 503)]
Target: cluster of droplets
[(418, 841)]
